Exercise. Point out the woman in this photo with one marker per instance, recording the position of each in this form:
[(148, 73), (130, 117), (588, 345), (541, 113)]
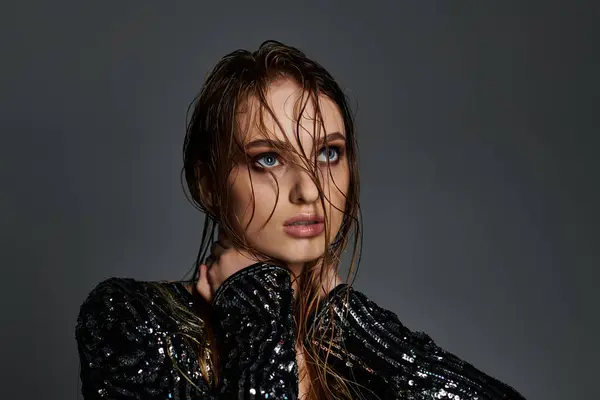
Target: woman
[(270, 157)]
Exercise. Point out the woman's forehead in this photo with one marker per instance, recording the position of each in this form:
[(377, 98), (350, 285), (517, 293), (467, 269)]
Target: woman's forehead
[(291, 114)]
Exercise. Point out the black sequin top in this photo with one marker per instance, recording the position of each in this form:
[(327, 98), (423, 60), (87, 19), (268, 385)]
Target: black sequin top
[(131, 348)]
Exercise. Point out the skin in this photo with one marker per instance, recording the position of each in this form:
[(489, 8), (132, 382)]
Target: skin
[(298, 194)]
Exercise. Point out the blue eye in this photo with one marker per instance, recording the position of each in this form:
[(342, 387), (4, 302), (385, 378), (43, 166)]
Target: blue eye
[(329, 154), (267, 161)]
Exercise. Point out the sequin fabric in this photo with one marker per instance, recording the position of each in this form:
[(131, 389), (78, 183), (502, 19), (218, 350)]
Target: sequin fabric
[(389, 361), (125, 336), (127, 342)]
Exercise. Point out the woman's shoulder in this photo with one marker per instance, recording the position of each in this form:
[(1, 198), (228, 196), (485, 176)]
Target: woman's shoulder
[(106, 289), (120, 301), (114, 289), (128, 333)]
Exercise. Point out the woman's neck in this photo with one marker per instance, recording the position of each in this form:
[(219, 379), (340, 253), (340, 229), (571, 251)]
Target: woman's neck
[(296, 270), (330, 279)]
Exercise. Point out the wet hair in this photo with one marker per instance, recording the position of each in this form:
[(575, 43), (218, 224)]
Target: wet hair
[(213, 146)]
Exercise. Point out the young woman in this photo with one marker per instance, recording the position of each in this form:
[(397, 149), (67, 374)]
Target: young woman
[(270, 157)]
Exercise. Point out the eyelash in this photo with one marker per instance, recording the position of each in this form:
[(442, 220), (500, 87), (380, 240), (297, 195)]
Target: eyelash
[(338, 149)]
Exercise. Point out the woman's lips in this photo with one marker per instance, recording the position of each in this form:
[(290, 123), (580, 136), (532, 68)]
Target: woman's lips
[(305, 230), (304, 225)]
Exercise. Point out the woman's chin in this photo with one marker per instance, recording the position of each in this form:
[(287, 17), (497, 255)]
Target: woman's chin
[(293, 252), (296, 258)]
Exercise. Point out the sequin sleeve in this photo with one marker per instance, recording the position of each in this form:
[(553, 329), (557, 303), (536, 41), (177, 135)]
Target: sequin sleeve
[(253, 309), (123, 337), (390, 361)]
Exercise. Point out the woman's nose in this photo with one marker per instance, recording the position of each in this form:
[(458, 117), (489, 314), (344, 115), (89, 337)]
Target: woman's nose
[(304, 188)]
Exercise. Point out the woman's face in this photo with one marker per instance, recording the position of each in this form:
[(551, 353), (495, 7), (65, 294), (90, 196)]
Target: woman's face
[(281, 214)]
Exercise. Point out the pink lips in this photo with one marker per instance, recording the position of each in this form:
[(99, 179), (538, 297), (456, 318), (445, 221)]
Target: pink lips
[(304, 226)]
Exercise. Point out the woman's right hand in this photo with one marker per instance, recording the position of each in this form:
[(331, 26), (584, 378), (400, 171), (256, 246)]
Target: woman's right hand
[(224, 261)]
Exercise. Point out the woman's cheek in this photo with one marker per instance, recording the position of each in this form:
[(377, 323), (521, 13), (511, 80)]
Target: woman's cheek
[(340, 191), (254, 203)]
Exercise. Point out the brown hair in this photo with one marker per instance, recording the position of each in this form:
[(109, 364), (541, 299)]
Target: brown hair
[(211, 145)]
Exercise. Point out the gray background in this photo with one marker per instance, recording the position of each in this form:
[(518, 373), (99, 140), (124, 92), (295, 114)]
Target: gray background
[(480, 181)]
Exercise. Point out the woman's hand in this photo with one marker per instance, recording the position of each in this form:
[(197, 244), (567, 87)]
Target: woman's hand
[(224, 261)]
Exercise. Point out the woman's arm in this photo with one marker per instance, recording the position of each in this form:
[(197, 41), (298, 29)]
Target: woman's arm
[(124, 338), (254, 313), (393, 361), (123, 341)]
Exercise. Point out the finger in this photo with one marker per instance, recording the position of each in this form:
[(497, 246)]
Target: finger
[(203, 286), (209, 261)]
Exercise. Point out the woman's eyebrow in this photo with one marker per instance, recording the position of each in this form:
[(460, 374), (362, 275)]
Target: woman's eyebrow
[(271, 143), (331, 137)]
